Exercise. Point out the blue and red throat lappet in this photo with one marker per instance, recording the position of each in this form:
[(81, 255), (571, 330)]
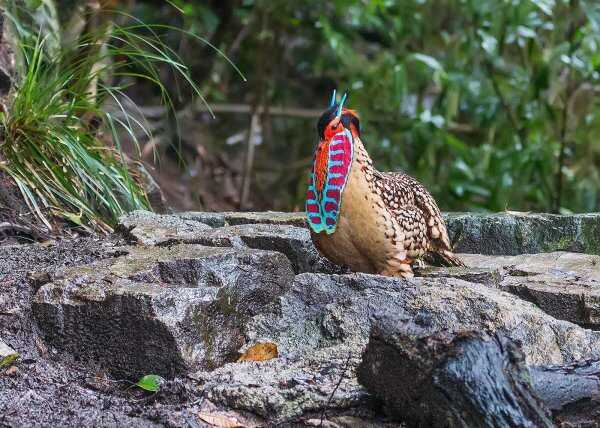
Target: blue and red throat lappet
[(369, 221)]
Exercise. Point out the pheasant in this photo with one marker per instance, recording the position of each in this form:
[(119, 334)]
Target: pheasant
[(370, 221)]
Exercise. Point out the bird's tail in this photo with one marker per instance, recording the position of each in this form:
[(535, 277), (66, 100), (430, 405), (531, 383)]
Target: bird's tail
[(444, 258)]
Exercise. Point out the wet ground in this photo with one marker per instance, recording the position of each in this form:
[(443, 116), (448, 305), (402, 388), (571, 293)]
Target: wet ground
[(46, 389)]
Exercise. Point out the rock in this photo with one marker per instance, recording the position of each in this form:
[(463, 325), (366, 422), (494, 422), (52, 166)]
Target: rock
[(285, 388), (146, 228), (506, 233), (322, 318), (152, 229), (160, 310), (472, 379), (292, 241), (466, 379), (328, 310), (297, 219), (571, 392), (564, 285), (512, 233), (490, 277), (209, 218)]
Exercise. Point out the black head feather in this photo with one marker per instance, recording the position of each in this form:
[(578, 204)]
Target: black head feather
[(329, 115)]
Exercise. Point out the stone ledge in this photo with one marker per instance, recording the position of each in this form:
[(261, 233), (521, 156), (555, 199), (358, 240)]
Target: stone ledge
[(159, 310), (564, 285), (505, 233), (512, 233)]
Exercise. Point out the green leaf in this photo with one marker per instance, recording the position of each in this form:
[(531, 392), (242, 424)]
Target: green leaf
[(150, 382), (9, 359), (429, 61), (545, 5), (592, 11), (33, 4)]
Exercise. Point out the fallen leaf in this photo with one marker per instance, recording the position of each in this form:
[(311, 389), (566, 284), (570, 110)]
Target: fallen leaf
[(262, 351), (220, 421), (150, 382)]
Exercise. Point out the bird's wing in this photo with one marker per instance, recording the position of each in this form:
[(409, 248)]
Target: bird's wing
[(414, 227), (405, 190)]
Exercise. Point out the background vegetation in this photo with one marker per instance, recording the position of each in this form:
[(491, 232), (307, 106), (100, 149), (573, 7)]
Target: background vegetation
[(491, 103)]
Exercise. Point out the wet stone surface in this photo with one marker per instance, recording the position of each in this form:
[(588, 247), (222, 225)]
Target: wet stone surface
[(564, 285), (273, 232), (512, 233), (159, 310), (184, 295)]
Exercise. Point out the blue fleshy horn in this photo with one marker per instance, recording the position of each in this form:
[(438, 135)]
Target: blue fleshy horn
[(339, 111), (332, 102)]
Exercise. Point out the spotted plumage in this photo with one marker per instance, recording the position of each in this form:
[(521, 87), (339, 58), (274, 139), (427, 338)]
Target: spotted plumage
[(382, 222)]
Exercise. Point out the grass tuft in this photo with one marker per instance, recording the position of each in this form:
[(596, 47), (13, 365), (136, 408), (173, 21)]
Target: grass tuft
[(57, 142)]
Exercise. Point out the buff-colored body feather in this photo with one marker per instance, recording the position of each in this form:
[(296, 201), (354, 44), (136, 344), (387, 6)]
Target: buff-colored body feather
[(387, 221)]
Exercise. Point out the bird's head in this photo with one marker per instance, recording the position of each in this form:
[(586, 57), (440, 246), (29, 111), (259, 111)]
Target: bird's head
[(335, 119)]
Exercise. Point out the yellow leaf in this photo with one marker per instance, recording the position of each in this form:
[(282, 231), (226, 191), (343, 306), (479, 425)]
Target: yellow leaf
[(262, 351), (220, 421)]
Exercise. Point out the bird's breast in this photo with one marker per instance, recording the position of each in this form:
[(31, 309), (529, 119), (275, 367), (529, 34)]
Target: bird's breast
[(329, 176)]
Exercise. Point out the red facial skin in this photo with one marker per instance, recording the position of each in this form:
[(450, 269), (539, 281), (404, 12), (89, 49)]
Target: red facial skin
[(322, 155), (334, 127)]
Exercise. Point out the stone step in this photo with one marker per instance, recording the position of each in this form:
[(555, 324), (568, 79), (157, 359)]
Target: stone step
[(512, 233), (159, 310), (564, 285), (505, 233)]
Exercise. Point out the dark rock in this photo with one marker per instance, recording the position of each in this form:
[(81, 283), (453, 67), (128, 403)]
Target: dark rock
[(449, 379), (512, 233), (37, 279), (160, 310), (571, 392)]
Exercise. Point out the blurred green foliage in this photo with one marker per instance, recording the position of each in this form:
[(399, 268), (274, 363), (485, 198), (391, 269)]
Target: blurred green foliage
[(491, 103)]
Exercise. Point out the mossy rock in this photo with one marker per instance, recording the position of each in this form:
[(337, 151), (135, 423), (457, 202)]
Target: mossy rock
[(513, 233)]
